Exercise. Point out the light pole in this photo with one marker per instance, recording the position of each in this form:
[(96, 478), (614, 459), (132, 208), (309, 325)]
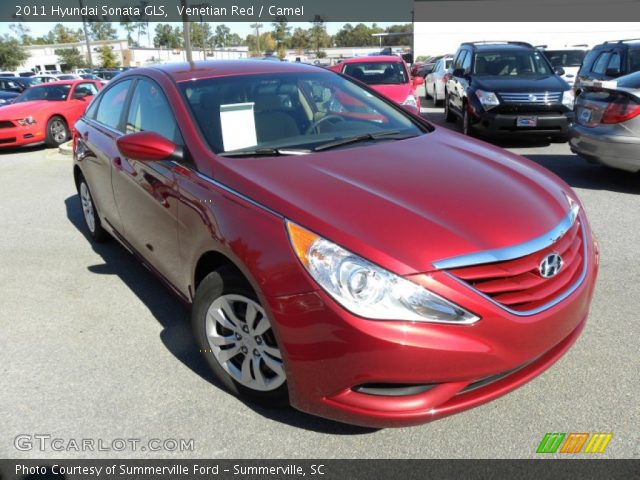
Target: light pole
[(257, 26), (86, 38)]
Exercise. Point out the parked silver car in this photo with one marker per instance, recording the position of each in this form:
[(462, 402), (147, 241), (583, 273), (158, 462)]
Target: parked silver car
[(434, 81), (607, 125)]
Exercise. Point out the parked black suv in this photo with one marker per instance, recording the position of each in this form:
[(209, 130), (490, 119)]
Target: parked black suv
[(609, 60), (507, 88)]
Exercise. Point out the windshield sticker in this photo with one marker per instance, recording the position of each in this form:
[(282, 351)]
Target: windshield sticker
[(238, 126)]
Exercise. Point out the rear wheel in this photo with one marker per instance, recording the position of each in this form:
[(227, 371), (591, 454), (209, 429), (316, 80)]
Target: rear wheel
[(57, 132), (234, 333), (449, 116), (436, 100)]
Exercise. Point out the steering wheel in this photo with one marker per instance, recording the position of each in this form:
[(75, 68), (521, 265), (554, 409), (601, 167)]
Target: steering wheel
[(317, 123)]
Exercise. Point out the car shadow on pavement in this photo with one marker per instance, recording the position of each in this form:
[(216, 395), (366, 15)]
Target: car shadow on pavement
[(579, 173), (173, 315)]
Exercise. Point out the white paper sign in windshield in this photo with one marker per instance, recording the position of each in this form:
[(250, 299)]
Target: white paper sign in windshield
[(238, 126)]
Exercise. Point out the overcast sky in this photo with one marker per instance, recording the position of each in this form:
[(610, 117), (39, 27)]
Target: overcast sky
[(39, 29)]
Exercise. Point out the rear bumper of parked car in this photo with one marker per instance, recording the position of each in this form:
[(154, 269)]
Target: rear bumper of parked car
[(391, 374), (617, 151)]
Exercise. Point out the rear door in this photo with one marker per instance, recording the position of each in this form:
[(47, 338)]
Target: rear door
[(96, 148), (146, 192)]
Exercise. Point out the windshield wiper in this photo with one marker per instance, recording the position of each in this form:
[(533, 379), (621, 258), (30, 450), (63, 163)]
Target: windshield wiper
[(393, 134), (264, 152)]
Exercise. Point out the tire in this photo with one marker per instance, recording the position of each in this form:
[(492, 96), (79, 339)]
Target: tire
[(559, 139), (436, 100), (467, 129), (90, 214), (243, 355), (57, 131), (426, 90), (449, 116)]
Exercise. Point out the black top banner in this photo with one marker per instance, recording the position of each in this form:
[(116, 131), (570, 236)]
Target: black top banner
[(207, 10)]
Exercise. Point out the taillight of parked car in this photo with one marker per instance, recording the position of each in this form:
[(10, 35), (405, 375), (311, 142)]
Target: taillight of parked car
[(621, 111)]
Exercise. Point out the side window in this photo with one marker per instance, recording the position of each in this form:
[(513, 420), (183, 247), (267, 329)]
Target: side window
[(150, 112), (601, 63), (459, 58), (85, 89), (112, 103), (615, 62), (466, 63)]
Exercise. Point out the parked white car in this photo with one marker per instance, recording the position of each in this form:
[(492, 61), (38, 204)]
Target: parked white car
[(45, 78), (434, 81), (569, 58)]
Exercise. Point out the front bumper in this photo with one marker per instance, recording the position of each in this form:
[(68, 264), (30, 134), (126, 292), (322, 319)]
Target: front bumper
[(331, 355), (18, 136), (549, 123), (615, 151)]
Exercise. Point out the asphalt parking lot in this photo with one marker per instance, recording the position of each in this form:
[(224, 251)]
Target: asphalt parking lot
[(92, 346)]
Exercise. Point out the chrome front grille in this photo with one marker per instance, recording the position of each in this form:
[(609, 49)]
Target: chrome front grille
[(538, 98)]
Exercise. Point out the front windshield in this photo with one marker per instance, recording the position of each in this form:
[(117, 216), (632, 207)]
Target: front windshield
[(289, 111), (377, 73), (511, 63), (565, 58), (46, 92)]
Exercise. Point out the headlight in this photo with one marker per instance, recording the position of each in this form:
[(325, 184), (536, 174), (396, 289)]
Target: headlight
[(410, 101), (26, 121), (488, 100), (568, 98), (366, 289)]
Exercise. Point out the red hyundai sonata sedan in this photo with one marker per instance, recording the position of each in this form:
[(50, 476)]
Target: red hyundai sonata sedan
[(340, 254)]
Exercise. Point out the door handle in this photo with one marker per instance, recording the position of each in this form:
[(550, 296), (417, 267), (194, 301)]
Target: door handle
[(117, 162), (85, 135)]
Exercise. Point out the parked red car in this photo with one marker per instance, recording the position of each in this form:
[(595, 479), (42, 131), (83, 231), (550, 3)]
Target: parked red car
[(387, 75), (45, 113), (339, 253)]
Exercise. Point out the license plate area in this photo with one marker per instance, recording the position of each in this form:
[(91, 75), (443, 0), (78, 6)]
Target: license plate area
[(584, 116), (526, 121)]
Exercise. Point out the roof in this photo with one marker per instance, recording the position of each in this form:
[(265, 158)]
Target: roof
[(374, 59), (65, 82), (501, 46), (184, 71)]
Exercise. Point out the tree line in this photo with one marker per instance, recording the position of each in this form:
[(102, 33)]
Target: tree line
[(276, 37)]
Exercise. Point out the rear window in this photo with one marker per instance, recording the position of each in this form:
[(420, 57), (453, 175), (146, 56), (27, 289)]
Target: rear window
[(377, 73), (565, 58)]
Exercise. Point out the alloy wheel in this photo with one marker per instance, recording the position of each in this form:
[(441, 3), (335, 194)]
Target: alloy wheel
[(58, 130), (87, 207), (242, 341)]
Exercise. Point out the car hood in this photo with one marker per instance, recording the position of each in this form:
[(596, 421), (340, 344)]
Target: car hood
[(18, 110), (397, 92), (405, 204), (538, 83)]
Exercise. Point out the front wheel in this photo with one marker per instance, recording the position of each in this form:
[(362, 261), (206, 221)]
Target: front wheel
[(235, 336), (467, 129), (57, 132), (449, 116)]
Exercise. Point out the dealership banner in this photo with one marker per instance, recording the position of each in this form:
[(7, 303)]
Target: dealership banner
[(317, 469), (207, 10)]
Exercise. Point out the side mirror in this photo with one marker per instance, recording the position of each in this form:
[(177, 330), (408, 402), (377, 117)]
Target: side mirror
[(612, 72), (559, 71), (459, 72), (148, 147), (417, 81)]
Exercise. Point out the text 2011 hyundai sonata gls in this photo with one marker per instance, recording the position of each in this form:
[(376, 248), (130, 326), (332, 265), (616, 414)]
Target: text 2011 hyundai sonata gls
[(341, 254)]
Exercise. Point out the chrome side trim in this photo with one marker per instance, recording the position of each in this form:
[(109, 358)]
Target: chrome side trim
[(555, 301), (227, 189), (515, 251)]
